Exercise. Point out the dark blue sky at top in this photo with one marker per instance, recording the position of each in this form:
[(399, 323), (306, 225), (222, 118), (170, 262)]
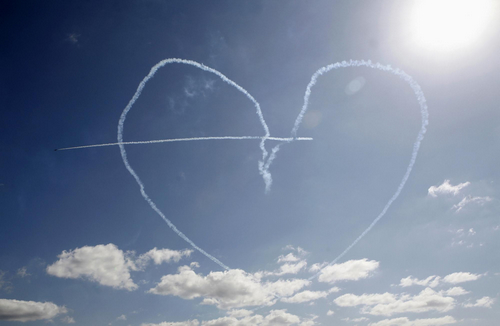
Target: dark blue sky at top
[(68, 68)]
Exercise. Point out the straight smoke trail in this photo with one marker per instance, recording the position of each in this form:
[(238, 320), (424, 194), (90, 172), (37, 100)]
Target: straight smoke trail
[(425, 121), (171, 140)]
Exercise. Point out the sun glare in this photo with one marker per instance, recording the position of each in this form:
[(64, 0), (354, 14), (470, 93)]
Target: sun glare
[(447, 25)]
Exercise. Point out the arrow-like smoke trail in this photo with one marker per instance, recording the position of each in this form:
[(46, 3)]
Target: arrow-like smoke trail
[(425, 121), (172, 140)]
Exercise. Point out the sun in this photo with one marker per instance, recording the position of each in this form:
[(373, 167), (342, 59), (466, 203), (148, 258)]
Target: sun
[(448, 25)]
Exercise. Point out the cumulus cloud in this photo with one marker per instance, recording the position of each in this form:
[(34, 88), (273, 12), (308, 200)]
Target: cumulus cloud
[(17, 310), (316, 267), (275, 317), (288, 258), (306, 296), (193, 322), (469, 200), (404, 321), (485, 302), (239, 313), (355, 320), (228, 289), (387, 304), (330, 313), (299, 250), (160, 256), (108, 265), (460, 277), (351, 270), (446, 188), (456, 291), (431, 281), (104, 264), (289, 268)]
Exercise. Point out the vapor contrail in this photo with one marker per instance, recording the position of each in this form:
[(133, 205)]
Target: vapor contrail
[(425, 121), (171, 140)]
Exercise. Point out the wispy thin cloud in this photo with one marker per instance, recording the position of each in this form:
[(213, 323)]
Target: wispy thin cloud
[(484, 302), (387, 304), (471, 200)]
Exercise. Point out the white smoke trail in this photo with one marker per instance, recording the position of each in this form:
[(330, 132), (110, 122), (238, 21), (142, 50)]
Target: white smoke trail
[(262, 167), (267, 159), (171, 140), (425, 121)]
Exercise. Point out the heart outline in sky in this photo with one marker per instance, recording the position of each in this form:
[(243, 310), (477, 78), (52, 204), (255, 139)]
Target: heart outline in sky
[(268, 158)]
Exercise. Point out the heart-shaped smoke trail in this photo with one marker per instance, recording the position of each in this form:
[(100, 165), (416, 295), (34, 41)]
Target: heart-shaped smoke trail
[(425, 121), (267, 158), (265, 173)]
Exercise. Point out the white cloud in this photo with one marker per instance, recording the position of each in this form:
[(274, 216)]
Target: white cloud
[(456, 291), (288, 258), (288, 268), (460, 277), (160, 256), (299, 250), (285, 288), (17, 310), (68, 320), (355, 320), (310, 321), (228, 289), (485, 302), (108, 265), (122, 317), (274, 318), (447, 188), (468, 200), (352, 300), (351, 270), (330, 313), (104, 264), (22, 272), (404, 321), (431, 281), (387, 304), (306, 296), (239, 313), (316, 267), (193, 322)]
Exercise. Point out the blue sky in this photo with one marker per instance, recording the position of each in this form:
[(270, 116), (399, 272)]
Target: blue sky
[(80, 245)]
